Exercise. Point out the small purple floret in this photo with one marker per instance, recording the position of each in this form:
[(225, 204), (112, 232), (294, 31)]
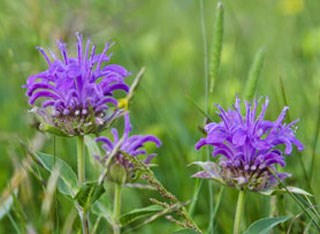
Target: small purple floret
[(75, 94), (132, 145), (249, 146)]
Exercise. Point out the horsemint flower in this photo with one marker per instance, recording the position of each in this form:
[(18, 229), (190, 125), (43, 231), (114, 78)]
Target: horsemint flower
[(73, 95), (132, 146), (248, 147)]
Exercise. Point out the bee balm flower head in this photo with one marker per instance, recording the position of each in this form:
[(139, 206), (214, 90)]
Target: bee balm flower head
[(131, 145), (248, 147), (75, 94)]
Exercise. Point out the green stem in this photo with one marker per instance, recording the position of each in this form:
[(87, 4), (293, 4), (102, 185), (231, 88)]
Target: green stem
[(80, 160), (84, 221), (117, 209), (239, 211), (81, 179), (14, 224)]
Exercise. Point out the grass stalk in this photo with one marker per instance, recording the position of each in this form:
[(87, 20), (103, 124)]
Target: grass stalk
[(206, 89)]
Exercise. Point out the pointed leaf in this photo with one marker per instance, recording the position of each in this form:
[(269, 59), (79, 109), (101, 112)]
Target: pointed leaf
[(265, 225), (210, 171), (292, 189), (89, 193), (67, 182), (51, 129), (139, 213), (298, 191)]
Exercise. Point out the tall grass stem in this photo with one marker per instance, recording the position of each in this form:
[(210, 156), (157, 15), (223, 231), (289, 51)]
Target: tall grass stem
[(206, 87)]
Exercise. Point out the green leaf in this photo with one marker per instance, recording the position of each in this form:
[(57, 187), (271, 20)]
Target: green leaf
[(67, 182), (100, 209), (265, 225), (51, 129), (89, 193), (136, 214), (210, 171), (292, 189)]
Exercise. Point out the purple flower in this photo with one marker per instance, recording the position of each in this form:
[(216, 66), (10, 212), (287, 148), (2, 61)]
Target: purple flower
[(248, 146), (75, 93), (132, 145)]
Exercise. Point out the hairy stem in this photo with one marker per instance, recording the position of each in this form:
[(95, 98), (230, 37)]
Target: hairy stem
[(239, 212)]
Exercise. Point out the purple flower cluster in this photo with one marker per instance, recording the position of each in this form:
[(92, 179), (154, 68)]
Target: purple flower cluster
[(132, 145), (249, 147), (75, 93)]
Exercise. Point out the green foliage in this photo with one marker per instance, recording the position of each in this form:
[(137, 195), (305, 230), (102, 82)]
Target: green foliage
[(265, 225), (164, 36), (67, 182), (291, 189), (88, 194), (51, 129)]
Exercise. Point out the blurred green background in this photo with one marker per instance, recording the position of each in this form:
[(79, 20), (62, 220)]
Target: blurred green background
[(165, 37)]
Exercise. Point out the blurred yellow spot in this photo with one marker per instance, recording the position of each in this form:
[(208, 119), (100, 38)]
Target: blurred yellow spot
[(310, 43), (123, 103), (291, 7)]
